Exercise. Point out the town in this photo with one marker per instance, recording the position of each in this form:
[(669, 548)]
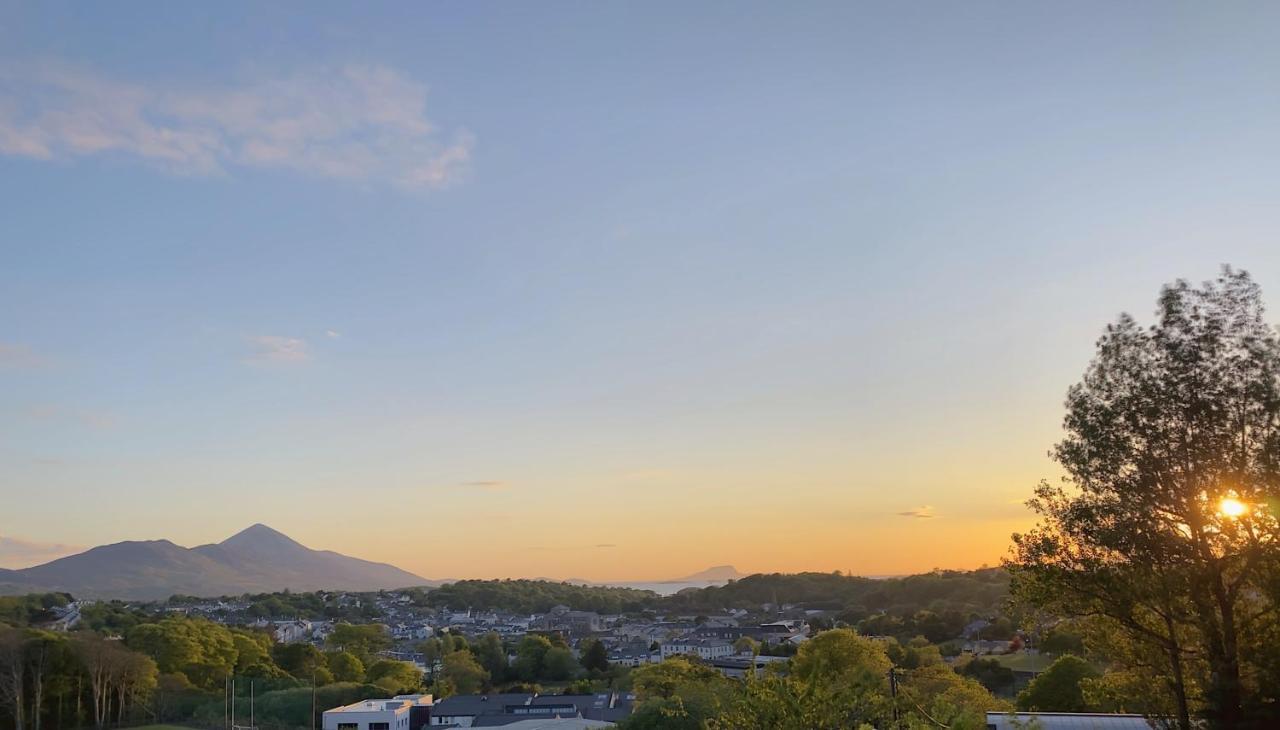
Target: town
[(488, 653)]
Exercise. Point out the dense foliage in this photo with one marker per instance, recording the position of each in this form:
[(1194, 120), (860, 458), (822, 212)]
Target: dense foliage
[(836, 680), (1165, 534), (539, 596), (982, 591)]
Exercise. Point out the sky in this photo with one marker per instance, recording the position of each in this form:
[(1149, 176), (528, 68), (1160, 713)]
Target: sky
[(592, 289)]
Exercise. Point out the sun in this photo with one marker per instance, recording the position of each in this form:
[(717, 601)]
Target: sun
[(1232, 507)]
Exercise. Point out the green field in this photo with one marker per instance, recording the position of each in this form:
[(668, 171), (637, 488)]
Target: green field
[(1021, 662)]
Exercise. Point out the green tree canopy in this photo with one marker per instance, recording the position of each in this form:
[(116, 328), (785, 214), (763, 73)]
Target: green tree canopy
[(464, 673), (595, 658), (394, 676), (492, 656), (363, 640), (1167, 524), (345, 666), (530, 655), (1058, 688), (558, 664)]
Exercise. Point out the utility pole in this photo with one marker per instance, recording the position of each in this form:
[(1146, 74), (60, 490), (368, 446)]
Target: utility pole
[(313, 698), (251, 726), (893, 693), (233, 703)]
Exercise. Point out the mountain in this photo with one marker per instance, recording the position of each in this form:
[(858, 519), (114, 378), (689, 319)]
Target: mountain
[(718, 572), (255, 560)]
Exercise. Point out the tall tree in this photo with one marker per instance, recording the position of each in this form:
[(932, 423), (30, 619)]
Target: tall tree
[(1166, 521), (1059, 688), (492, 656), (464, 673), (13, 674), (595, 657)]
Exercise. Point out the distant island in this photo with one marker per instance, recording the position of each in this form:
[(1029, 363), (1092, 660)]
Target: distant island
[(717, 572)]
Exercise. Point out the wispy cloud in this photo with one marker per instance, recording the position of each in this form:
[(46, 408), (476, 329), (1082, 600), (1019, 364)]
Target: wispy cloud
[(572, 548), (332, 334), (273, 348), (361, 123), (18, 553), (15, 355), (923, 512), (491, 485)]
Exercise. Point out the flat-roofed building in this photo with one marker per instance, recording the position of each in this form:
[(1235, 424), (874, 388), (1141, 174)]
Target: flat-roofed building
[(403, 712)]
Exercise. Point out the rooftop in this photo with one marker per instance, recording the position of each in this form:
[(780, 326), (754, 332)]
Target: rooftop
[(384, 705)]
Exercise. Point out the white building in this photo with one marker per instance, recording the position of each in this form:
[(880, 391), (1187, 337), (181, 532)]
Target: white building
[(393, 714), (702, 648), (291, 632)]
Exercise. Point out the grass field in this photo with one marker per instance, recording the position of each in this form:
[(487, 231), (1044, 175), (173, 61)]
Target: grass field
[(1021, 662)]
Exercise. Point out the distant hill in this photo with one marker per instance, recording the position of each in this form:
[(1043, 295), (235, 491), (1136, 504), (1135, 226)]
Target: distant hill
[(256, 560), (718, 572)]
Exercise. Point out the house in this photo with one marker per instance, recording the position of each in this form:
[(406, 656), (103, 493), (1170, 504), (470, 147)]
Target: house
[(499, 709), (561, 618), (291, 632), (403, 712), (65, 617), (738, 665), (775, 633), (986, 646), (702, 648), (320, 630), (630, 656)]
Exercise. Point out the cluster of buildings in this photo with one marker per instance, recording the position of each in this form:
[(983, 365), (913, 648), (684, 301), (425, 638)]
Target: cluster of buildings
[(520, 711), (515, 711)]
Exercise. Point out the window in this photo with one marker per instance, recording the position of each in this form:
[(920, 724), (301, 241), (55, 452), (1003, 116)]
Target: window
[(348, 726), (379, 726)]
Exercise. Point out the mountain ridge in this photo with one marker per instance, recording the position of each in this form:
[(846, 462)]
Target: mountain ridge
[(257, 559)]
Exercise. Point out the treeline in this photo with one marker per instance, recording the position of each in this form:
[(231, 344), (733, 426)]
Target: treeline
[(331, 605), (539, 596), (32, 609), (56, 680), (462, 667), (178, 669), (981, 591)]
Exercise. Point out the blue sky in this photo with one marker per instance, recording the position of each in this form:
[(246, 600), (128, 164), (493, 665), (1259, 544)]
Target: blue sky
[(704, 283)]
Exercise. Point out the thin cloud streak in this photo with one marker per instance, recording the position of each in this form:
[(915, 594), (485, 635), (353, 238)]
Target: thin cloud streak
[(923, 512), (276, 349), (491, 485), (357, 123)]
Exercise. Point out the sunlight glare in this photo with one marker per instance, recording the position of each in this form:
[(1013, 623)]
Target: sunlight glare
[(1231, 507)]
